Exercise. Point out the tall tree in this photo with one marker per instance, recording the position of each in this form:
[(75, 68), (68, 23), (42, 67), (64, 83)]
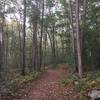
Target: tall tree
[(34, 18), (0, 49), (78, 40), (72, 28), (41, 37), (2, 34), (24, 35), (83, 32)]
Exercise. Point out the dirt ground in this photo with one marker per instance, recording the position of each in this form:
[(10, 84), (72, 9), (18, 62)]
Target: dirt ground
[(48, 87)]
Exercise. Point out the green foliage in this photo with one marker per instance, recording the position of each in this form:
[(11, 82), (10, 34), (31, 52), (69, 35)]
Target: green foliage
[(69, 80), (50, 3), (93, 76), (64, 3), (89, 80), (66, 81), (92, 46), (31, 77), (14, 84), (70, 58), (57, 26), (92, 33), (82, 85)]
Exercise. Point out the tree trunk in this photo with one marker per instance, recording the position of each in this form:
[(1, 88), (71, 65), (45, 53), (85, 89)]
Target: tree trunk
[(34, 47), (41, 36), (53, 45), (45, 49), (24, 35), (78, 40), (83, 33), (71, 21), (0, 49), (20, 45)]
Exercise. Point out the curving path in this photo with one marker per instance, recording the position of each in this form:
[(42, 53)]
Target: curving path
[(48, 88)]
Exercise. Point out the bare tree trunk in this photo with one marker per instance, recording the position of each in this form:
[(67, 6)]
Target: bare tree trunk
[(2, 42), (35, 49), (0, 49), (24, 35), (78, 40), (7, 48), (71, 20), (20, 48), (83, 32), (45, 49), (20, 45), (2, 36), (53, 45), (62, 45), (41, 36)]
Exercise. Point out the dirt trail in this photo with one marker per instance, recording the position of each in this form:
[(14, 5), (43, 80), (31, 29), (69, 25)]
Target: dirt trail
[(48, 87)]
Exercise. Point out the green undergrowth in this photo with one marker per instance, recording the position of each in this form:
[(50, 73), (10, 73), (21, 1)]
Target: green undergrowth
[(31, 77), (13, 85), (89, 81)]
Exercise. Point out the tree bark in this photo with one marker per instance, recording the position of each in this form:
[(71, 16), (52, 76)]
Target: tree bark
[(53, 45), (78, 40), (41, 36), (83, 32), (0, 49), (20, 45), (71, 21), (24, 36), (34, 47)]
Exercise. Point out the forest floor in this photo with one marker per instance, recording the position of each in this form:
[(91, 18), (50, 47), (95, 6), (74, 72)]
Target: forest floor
[(48, 87)]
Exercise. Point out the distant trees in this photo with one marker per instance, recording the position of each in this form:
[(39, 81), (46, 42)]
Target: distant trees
[(79, 18), (91, 46), (34, 33)]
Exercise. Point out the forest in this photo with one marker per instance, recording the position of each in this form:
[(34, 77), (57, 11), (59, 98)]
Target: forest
[(49, 49)]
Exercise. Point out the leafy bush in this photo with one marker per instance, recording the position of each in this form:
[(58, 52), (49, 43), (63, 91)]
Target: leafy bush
[(12, 85), (89, 81), (66, 81), (30, 77), (69, 79)]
